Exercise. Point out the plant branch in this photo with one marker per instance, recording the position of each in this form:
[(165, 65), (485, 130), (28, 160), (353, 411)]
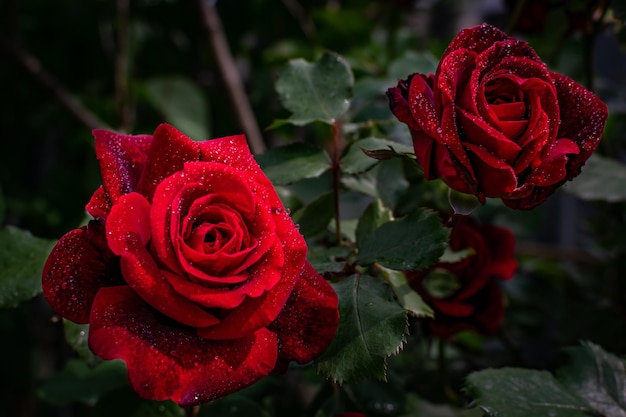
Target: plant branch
[(122, 54), (300, 14), (65, 97), (230, 75), (336, 171)]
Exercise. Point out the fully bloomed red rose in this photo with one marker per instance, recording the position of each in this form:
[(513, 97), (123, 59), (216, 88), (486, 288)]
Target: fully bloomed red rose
[(466, 295), (494, 122), (191, 271)]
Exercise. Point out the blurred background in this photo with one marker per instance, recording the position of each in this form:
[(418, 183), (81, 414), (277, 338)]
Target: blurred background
[(209, 68)]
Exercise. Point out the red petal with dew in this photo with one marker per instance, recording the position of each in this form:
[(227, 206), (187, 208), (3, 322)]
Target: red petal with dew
[(128, 232), (308, 322), (122, 159), (79, 265), (172, 363), (583, 116), (169, 151)]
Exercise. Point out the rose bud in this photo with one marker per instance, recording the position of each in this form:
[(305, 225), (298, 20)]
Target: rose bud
[(493, 121), (191, 272), (466, 295)]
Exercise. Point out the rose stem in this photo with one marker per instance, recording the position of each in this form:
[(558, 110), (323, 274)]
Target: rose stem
[(230, 75), (122, 56), (442, 364), (34, 68), (336, 171)]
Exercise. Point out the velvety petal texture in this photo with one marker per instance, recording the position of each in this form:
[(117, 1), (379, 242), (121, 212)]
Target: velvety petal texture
[(192, 272), (493, 121), (466, 295)]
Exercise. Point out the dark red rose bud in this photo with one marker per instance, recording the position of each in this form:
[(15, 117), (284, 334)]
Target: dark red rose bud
[(493, 121), (465, 295), (192, 271)]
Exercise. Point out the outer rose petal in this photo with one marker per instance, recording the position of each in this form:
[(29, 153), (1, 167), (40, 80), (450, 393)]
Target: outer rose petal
[(166, 362), (122, 159), (169, 151), (478, 39), (308, 321), (79, 265)]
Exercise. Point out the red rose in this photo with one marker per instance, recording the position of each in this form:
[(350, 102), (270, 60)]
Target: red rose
[(192, 272), (466, 295), (494, 122)]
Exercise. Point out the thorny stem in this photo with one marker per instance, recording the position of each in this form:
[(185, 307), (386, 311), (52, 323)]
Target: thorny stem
[(230, 75), (336, 171)]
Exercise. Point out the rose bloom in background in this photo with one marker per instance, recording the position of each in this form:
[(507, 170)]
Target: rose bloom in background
[(493, 121), (191, 271), (466, 295)]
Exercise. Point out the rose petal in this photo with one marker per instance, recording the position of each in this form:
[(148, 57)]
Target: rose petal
[(128, 234), (166, 362), (495, 177), (480, 133), (122, 159), (486, 318), (308, 322), (255, 313), (477, 39), (442, 166), (169, 151), (452, 76), (452, 308), (99, 205), (422, 106), (79, 265), (583, 116), (502, 264), (553, 168), (398, 103)]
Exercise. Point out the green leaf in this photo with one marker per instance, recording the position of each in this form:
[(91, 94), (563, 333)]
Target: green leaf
[(441, 283), (590, 383), (372, 327), (601, 179), (513, 392), (410, 300), (319, 91), (423, 62), (598, 377), (391, 182), (331, 259), (77, 336), (410, 243), (357, 160), (292, 163), (374, 216), (22, 257), (315, 216), (450, 256), (236, 405), (78, 382), (182, 104), (461, 203), (124, 402)]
